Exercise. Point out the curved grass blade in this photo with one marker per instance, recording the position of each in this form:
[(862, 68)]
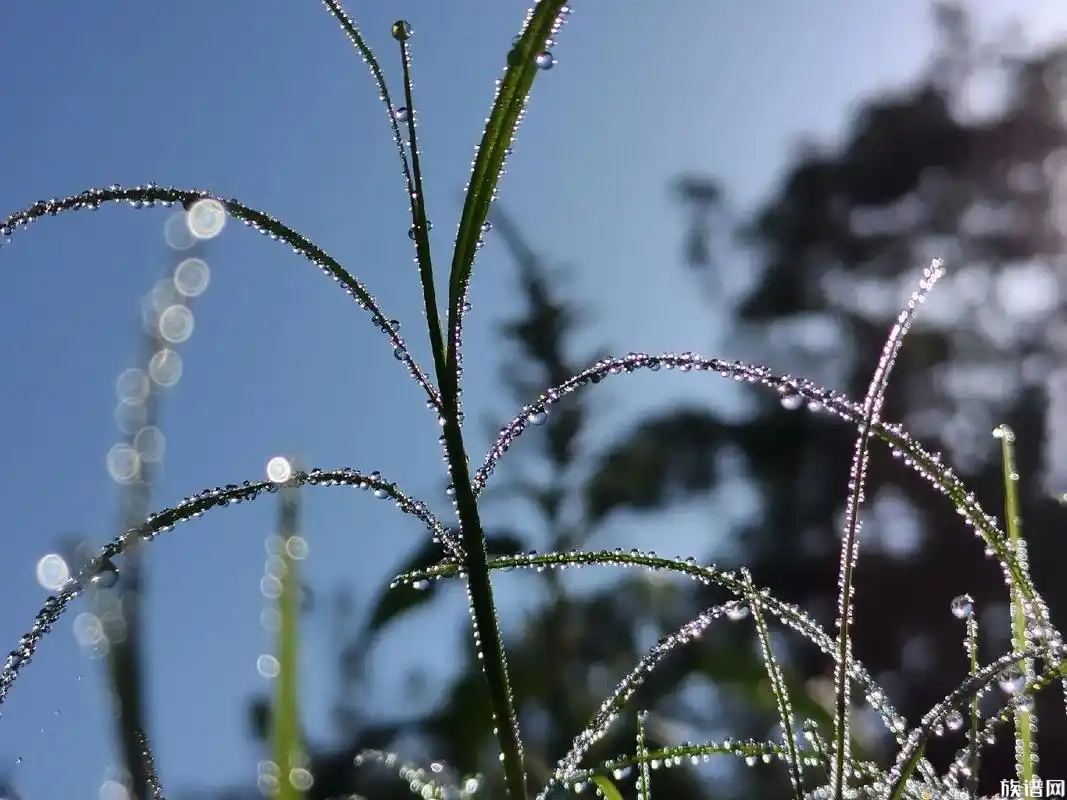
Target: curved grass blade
[(915, 457), (348, 25), (916, 740), (789, 614), (619, 768), (872, 406), (150, 194), (541, 25), (188, 509), (608, 711)]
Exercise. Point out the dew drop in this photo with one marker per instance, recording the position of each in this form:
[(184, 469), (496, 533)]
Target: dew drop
[(421, 586), (412, 230), (962, 606), (401, 30), (736, 610), (954, 720), (544, 60), (538, 417), (106, 576), (401, 114), (1011, 680), (792, 401)]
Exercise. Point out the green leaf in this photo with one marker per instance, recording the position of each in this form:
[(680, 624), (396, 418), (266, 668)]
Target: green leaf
[(606, 787), (504, 119), (905, 774)]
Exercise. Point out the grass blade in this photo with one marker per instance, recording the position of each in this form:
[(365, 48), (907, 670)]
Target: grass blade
[(542, 23), (285, 717), (1025, 721)]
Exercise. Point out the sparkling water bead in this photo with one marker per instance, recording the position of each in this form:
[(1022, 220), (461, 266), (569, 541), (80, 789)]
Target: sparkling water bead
[(413, 231), (106, 576), (401, 114), (538, 417), (962, 606), (544, 60), (1011, 680), (401, 30)]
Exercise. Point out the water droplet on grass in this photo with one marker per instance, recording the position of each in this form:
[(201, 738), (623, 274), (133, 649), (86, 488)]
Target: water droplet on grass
[(962, 606), (412, 231), (538, 417), (1011, 680), (792, 401), (401, 30), (544, 61), (401, 114), (106, 576)]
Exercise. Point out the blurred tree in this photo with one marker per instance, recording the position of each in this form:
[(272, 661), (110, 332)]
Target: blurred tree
[(967, 164)]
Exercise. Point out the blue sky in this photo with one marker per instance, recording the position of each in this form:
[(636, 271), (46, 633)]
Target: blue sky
[(275, 108)]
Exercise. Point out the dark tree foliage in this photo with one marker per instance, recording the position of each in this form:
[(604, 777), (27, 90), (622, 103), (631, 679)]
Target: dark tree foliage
[(841, 240)]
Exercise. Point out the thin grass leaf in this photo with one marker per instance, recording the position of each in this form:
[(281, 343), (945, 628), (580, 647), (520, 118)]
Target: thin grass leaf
[(778, 685), (788, 614), (1025, 720), (420, 225), (509, 105), (285, 715), (872, 406), (644, 774), (190, 508), (916, 740), (815, 397), (348, 25), (898, 791), (606, 787), (624, 690), (151, 194)]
